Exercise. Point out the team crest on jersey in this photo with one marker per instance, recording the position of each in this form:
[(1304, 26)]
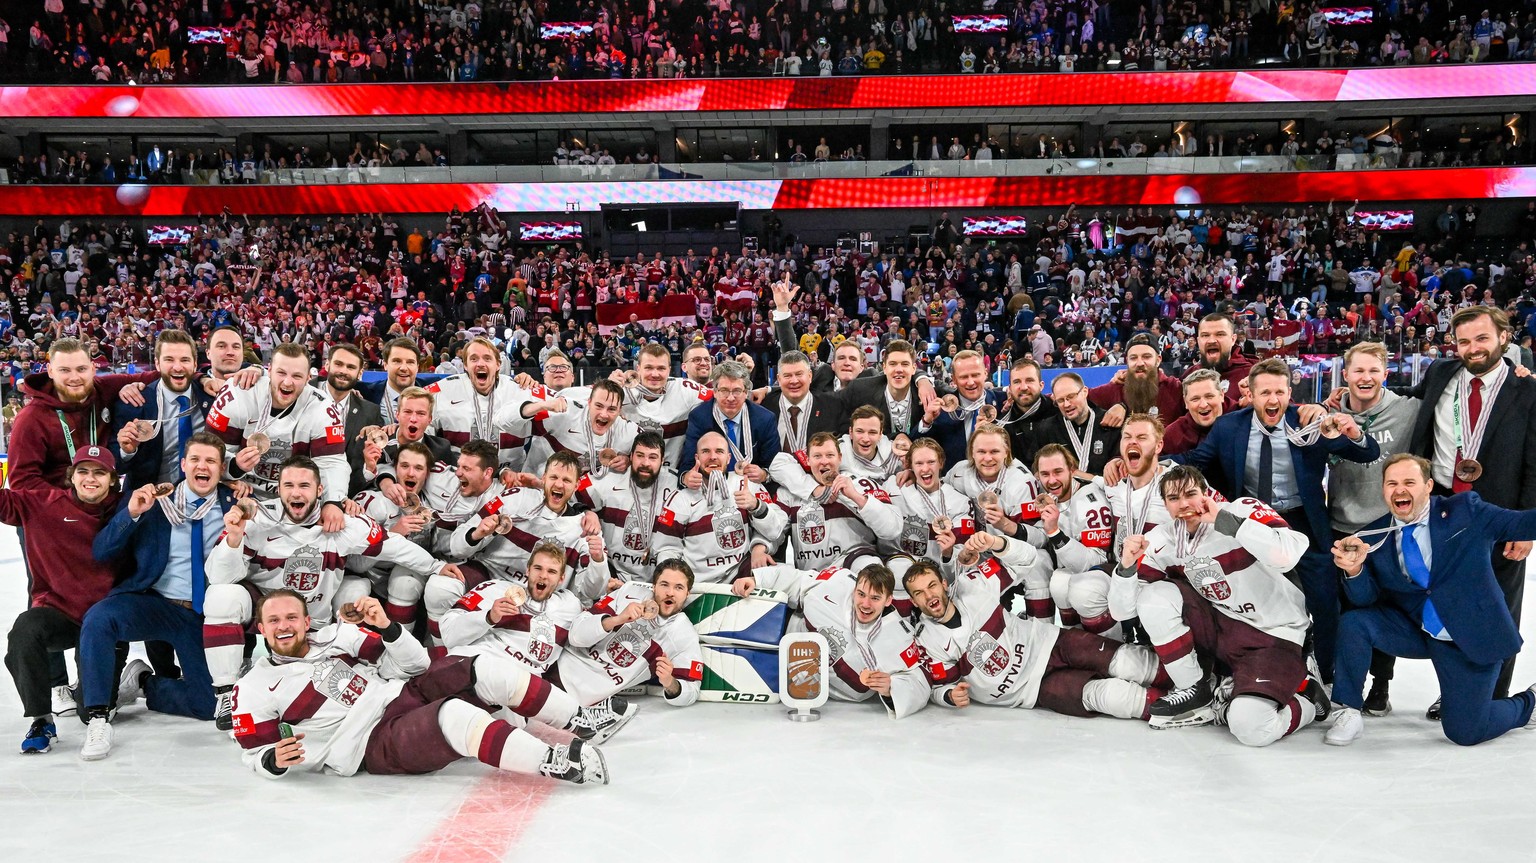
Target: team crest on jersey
[(634, 535), (837, 644), (336, 681), (1207, 576), (812, 524), (986, 654), (541, 640), (647, 424), (301, 571), (914, 535), (730, 531), (629, 646)]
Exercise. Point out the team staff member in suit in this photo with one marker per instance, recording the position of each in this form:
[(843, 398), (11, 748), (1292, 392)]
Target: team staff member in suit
[(1251, 453), (1080, 427), (402, 362), (1478, 414), (168, 539), (58, 527), (1354, 490), (1419, 596), (343, 368), (751, 430), (908, 404), (1026, 408), (174, 403), (974, 405), (847, 359), (800, 411)]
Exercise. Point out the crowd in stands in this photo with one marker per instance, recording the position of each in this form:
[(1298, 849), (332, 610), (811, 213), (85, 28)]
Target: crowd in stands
[(1071, 294), (284, 41)]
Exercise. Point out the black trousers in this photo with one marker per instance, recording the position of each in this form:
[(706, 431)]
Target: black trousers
[(38, 638)]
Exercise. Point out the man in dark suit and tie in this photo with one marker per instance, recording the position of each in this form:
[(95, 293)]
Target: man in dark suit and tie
[(750, 430), (847, 363), (1259, 452), (175, 406), (801, 412), (343, 369), (1429, 592), (1479, 415), (167, 539), (908, 404)]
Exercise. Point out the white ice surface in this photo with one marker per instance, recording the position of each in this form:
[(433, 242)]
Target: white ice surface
[(741, 783)]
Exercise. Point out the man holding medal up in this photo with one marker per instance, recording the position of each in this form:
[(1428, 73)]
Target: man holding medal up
[(1478, 430)]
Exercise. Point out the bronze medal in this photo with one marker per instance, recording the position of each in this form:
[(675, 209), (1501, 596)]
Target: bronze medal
[(650, 609), (143, 430), (350, 614), (942, 524), (260, 442), (517, 594), (1468, 469), (164, 489), (987, 414), (246, 507)]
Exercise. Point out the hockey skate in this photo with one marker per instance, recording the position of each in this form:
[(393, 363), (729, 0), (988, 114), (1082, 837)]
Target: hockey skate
[(602, 720), (1318, 694), (224, 709), (576, 762), (1184, 708), (1222, 700)]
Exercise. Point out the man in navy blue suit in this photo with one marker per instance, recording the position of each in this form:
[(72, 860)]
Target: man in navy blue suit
[(1429, 591), (953, 428), (1259, 452), (168, 538), (175, 405), (751, 429)]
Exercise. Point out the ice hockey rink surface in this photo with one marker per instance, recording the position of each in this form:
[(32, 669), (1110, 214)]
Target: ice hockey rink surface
[(730, 782)]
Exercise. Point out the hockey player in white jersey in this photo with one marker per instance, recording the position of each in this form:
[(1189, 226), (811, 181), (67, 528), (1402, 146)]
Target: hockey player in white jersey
[(1075, 519), (871, 647), (285, 547), (531, 623), (1137, 507), (841, 513), (475, 404), (422, 480), (634, 633), (360, 695), (660, 403), (1210, 588), (935, 518), (728, 523), (1004, 490), (282, 416), (597, 435), (627, 506), (976, 652), (867, 454)]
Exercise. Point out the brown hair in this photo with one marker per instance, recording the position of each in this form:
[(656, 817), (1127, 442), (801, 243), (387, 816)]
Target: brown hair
[(878, 577), (1051, 449), (175, 337), (1424, 466), (1272, 366), (864, 412)]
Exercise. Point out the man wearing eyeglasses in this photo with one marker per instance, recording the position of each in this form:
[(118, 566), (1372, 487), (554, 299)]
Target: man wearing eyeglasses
[(751, 431), (1080, 427)]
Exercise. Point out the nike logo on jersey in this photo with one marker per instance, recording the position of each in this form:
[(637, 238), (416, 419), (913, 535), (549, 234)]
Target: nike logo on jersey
[(1261, 680), (71, 520), (458, 402), (273, 687)]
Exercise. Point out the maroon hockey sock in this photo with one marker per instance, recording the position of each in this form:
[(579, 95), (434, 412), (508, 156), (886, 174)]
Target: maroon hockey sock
[(223, 635), (1043, 608), (405, 615), (494, 741), (1069, 617), (533, 698)]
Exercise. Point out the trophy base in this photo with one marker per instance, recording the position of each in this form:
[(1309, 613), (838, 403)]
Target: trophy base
[(804, 715)]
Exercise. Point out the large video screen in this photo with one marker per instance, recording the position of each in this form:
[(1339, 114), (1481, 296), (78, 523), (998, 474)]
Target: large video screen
[(994, 226), (549, 232), (980, 23), (1384, 220)]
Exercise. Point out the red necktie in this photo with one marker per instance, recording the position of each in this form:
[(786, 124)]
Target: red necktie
[(1474, 410)]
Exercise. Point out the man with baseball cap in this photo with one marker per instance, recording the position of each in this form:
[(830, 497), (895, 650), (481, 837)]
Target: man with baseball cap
[(59, 526)]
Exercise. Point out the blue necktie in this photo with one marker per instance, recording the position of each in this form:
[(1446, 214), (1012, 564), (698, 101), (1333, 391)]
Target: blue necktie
[(199, 579), (1413, 560), (730, 433), (183, 427)]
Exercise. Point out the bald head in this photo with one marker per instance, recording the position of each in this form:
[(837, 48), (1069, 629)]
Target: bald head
[(712, 454)]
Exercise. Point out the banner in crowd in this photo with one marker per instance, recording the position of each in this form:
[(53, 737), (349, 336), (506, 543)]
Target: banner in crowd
[(989, 193), (674, 309), (566, 29), (1384, 220), (1403, 85)]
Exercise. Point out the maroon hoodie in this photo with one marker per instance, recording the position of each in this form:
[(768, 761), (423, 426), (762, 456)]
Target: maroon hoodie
[(59, 532), (38, 456)]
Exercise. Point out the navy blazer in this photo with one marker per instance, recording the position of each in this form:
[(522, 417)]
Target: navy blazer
[(148, 540), (144, 467), (1223, 458), (1463, 529), (950, 432), (765, 433)]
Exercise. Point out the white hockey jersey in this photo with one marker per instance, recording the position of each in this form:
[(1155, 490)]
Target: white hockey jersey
[(629, 518), (712, 534), (1086, 529), (597, 664), (1002, 656), (825, 598), (918, 509), (793, 476), (506, 556), (571, 432), (1016, 489), (1136, 510), (1243, 576), (278, 553), (308, 427), (534, 637), (822, 534), (461, 415), (667, 413), (334, 696)]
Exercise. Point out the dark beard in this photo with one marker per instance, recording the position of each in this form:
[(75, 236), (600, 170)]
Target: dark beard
[(1220, 365), (1140, 393)]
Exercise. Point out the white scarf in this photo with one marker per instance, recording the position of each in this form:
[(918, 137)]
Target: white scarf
[(743, 421)]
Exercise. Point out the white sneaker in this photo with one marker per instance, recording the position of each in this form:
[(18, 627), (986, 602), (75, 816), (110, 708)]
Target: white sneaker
[(63, 699), (1346, 729), (98, 740), (128, 686)]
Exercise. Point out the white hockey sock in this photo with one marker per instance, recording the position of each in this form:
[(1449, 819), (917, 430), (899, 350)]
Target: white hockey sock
[(1116, 697), (1257, 721), (1184, 671), (226, 610), (1134, 663), (474, 733), (510, 685)]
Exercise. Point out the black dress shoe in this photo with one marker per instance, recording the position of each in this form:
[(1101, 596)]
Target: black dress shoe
[(1433, 713), (1377, 702)]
